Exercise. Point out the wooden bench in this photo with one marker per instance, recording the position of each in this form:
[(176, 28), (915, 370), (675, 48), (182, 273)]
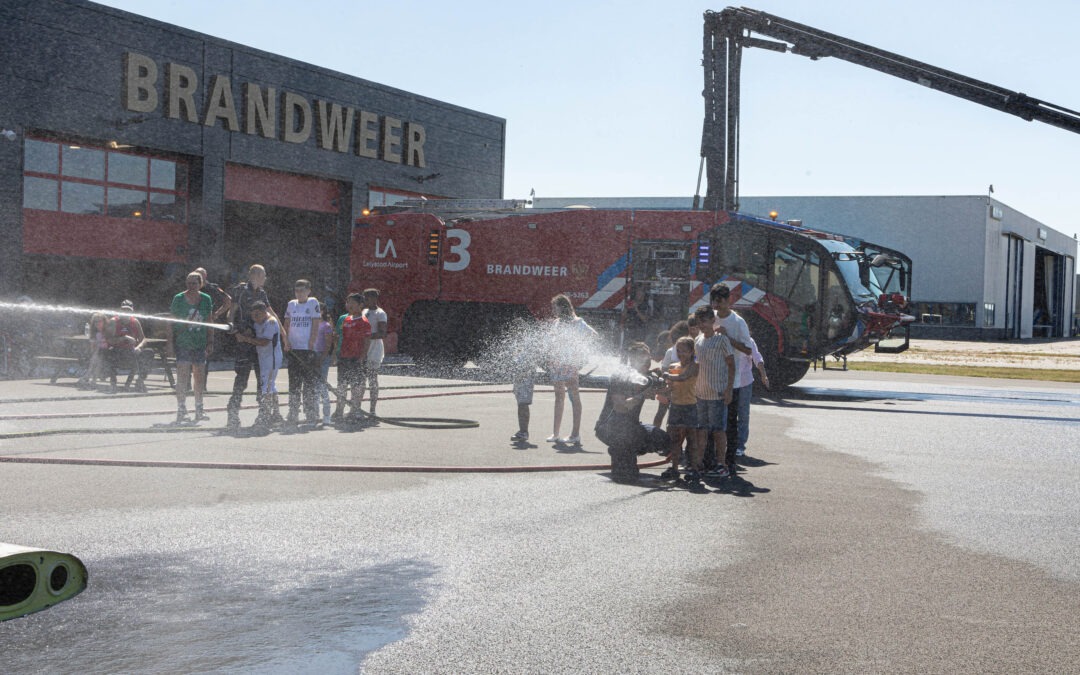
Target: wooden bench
[(80, 344), (62, 366), (168, 364)]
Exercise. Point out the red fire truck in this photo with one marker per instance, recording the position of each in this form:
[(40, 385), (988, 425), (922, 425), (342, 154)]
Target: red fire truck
[(455, 273)]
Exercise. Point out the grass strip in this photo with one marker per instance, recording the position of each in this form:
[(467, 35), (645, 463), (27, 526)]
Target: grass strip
[(969, 371), (938, 353)]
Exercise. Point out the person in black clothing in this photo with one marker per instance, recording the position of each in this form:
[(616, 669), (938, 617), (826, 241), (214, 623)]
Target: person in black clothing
[(222, 300), (245, 295), (619, 426), (640, 315)]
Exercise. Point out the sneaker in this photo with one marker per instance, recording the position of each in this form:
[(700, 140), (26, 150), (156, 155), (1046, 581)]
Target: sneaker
[(520, 436), (692, 478), (181, 416), (719, 471), (740, 453), (553, 438), (670, 474), (573, 440), (200, 414)]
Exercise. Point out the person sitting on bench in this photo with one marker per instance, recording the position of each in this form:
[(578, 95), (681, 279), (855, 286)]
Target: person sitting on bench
[(127, 348)]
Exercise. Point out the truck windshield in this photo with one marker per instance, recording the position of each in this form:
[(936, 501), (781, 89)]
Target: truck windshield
[(889, 272), (848, 261)]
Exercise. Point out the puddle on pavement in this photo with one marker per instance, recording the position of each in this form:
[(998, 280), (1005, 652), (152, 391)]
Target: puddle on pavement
[(189, 614)]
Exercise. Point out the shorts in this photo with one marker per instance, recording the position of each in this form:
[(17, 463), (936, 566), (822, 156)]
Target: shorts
[(683, 416), (712, 414), (523, 390), (196, 357), (350, 372), (563, 373)]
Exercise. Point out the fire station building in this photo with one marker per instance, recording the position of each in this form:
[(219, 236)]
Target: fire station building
[(981, 270), (134, 151)]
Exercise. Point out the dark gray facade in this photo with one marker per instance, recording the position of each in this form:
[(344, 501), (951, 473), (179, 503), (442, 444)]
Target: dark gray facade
[(79, 72)]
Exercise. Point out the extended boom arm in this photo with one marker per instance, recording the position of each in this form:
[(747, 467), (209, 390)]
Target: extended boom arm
[(728, 31)]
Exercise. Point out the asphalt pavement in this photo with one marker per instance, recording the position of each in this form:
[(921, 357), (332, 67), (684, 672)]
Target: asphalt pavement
[(883, 524)]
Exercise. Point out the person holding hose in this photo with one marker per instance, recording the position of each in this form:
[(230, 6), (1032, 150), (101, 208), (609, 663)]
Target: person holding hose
[(619, 426)]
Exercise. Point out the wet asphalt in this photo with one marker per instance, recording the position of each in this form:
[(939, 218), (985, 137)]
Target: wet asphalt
[(908, 524)]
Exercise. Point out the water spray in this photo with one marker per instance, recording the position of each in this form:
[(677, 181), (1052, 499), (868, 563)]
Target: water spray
[(35, 307), (541, 343)]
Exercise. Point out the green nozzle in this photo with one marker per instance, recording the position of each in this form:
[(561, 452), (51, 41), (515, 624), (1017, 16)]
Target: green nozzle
[(32, 579)]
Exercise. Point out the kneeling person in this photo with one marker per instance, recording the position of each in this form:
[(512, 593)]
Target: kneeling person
[(619, 426)]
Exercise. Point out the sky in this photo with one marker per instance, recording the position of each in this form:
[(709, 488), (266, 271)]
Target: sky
[(603, 98)]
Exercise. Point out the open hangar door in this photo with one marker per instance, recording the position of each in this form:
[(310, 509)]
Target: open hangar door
[(291, 225), (1050, 302)]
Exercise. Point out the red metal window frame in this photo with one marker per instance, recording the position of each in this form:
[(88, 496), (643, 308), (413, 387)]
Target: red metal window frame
[(56, 232)]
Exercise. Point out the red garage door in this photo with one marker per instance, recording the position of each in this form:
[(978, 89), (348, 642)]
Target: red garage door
[(273, 188)]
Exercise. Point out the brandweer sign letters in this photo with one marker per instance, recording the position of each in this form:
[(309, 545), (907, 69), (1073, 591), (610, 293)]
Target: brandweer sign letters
[(288, 116)]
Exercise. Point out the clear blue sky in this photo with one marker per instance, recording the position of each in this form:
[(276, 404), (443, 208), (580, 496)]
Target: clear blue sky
[(603, 99)]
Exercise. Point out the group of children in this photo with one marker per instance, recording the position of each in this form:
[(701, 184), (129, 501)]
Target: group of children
[(305, 341), (708, 366), (312, 338), (710, 378)]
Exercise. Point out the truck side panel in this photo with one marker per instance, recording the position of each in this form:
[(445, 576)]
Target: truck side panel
[(521, 260)]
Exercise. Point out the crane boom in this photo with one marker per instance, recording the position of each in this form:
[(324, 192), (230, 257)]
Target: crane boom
[(727, 32)]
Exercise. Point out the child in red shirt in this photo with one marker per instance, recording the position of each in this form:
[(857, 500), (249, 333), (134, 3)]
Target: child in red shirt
[(353, 331)]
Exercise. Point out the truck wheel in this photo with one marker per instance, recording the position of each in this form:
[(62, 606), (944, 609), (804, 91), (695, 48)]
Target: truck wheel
[(789, 372), (782, 371)]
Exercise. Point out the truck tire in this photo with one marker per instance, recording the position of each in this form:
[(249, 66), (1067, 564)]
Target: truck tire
[(789, 372), (783, 372)]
